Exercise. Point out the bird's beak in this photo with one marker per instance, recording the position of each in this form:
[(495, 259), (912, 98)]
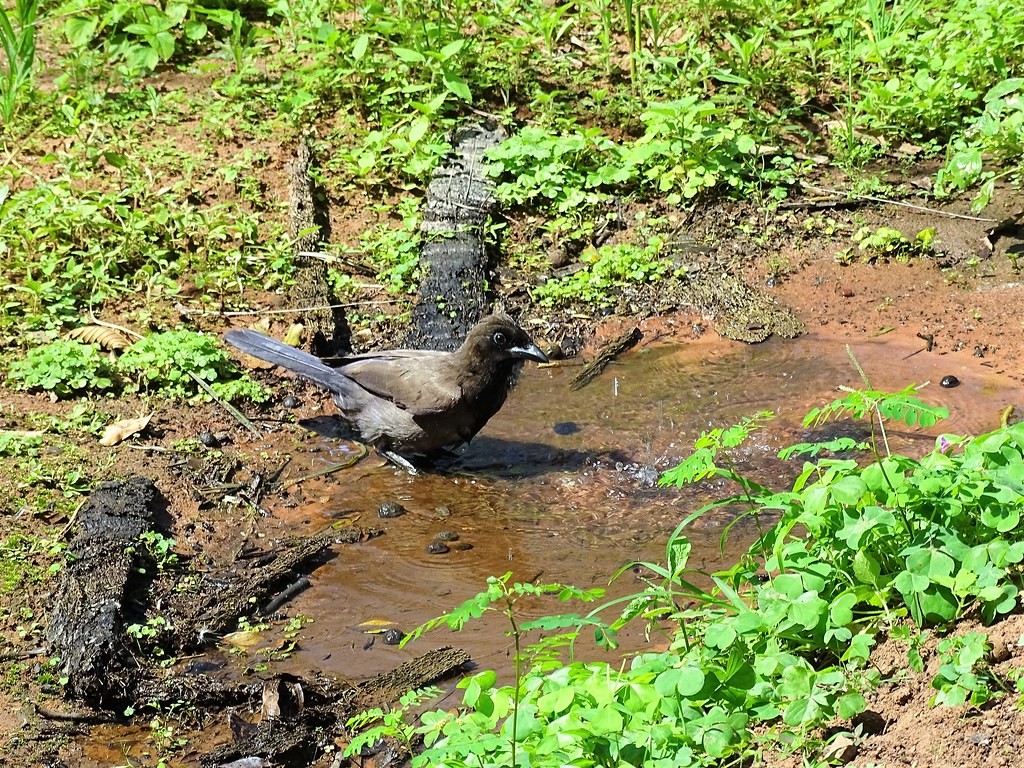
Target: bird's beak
[(531, 352)]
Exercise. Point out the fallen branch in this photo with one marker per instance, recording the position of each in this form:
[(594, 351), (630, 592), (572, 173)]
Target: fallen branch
[(74, 717), (608, 353), (884, 201), (227, 406), (286, 594), (359, 456)]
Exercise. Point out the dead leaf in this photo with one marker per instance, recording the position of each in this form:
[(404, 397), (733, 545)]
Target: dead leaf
[(255, 363), (107, 338), (122, 430), (293, 336), (344, 522), (241, 729), (376, 626), (907, 149), (243, 640)]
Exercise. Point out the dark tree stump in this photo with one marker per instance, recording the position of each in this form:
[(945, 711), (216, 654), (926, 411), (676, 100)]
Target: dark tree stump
[(90, 612), (453, 258), (326, 328)]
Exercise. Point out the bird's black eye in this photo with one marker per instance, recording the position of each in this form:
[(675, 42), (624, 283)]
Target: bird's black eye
[(500, 340)]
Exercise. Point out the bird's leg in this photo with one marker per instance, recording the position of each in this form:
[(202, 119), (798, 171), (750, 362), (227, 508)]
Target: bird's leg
[(399, 461)]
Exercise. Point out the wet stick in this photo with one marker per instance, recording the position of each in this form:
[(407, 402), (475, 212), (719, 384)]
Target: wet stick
[(608, 353)]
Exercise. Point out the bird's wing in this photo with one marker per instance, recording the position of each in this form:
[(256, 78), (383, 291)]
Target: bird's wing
[(414, 380)]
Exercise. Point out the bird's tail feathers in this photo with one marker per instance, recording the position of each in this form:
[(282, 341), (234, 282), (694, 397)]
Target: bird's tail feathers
[(274, 351)]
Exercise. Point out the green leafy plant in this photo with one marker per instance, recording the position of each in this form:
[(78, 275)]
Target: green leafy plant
[(411, 72), (782, 639), (396, 251), (159, 549), (241, 39), (64, 368), (83, 419), (18, 444), (888, 244), (608, 270), (505, 596), (77, 248), (18, 41), (998, 134), (154, 627), (548, 23), (567, 171), (964, 675), (165, 363), (142, 35), (26, 559), (388, 724), (687, 149)]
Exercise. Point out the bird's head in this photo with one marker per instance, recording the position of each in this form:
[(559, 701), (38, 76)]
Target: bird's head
[(497, 338)]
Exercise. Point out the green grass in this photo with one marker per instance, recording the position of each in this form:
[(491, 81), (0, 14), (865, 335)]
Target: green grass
[(666, 102), (170, 364)]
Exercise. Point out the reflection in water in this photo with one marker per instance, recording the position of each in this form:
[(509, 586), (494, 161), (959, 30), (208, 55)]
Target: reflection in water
[(576, 505)]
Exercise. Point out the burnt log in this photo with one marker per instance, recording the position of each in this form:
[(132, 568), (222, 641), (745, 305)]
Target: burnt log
[(453, 258), (94, 597), (297, 734), (199, 618)]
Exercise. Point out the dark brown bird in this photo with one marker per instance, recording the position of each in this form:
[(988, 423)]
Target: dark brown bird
[(409, 401)]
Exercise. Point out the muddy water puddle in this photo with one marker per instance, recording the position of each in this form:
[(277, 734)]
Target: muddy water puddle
[(561, 486)]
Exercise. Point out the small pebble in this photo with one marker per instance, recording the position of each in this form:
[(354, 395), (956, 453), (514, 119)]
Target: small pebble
[(290, 401), (446, 536), (566, 428), (949, 382), (391, 509), (393, 637), (443, 512), (437, 548), (209, 439), (461, 546)]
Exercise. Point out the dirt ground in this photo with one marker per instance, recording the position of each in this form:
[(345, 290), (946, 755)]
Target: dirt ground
[(962, 301)]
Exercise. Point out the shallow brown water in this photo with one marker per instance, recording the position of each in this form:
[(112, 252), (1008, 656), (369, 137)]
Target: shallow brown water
[(576, 507)]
